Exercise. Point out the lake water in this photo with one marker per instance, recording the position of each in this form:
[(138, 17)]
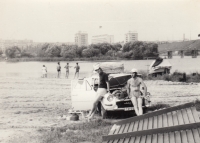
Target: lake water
[(33, 69)]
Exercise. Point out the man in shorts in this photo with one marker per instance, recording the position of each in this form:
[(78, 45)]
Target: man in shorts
[(58, 70), (103, 88), (67, 70), (77, 67), (133, 89)]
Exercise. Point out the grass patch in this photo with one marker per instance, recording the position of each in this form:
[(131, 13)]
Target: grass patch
[(158, 107), (79, 132)]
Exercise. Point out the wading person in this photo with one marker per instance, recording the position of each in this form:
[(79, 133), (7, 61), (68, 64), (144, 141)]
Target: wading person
[(44, 71), (58, 70), (77, 67), (103, 88), (133, 90), (67, 70)]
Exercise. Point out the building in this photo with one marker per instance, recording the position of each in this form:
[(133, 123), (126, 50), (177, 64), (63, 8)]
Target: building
[(103, 39), (131, 37), (81, 39), (22, 44)]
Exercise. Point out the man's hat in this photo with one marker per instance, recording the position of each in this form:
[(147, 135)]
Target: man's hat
[(96, 67), (134, 70)]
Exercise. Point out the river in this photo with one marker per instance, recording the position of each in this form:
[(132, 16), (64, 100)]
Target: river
[(33, 69)]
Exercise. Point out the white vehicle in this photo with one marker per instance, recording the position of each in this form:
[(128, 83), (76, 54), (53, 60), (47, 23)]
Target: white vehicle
[(83, 93)]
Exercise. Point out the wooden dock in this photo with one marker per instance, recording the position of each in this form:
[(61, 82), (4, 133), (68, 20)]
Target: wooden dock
[(178, 124)]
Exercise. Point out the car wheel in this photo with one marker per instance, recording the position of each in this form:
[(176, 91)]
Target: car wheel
[(104, 113)]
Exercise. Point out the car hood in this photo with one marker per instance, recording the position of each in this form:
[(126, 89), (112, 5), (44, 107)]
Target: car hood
[(118, 80)]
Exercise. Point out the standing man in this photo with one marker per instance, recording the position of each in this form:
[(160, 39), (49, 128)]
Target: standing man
[(58, 70), (133, 90), (103, 88), (44, 71), (67, 70), (77, 67)]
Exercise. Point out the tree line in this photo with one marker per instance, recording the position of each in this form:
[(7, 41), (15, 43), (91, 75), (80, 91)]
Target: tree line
[(131, 50)]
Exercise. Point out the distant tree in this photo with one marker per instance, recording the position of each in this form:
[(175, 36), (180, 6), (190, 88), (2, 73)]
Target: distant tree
[(116, 47), (13, 52), (68, 51), (151, 50), (103, 47), (87, 53), (79, 50), (52, 51), (1, 52), (25, 53)]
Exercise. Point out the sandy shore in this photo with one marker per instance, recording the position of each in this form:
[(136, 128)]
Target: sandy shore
[(28, 105)]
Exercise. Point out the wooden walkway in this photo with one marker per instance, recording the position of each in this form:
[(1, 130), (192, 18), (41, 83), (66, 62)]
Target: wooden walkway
[(178, 124)]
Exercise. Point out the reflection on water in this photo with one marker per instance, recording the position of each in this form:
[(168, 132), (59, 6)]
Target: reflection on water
[(34, 69)]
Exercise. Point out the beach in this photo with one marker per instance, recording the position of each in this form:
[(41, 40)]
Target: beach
[(29, 105)]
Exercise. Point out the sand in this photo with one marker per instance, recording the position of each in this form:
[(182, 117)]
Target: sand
[(28, 105)]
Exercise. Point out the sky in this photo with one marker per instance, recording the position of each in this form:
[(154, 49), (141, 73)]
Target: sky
[(60, 20)]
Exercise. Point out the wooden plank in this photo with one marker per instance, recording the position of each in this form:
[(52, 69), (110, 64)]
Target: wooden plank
[(117, 129), (122, 129), (131, 140), (170, 119), (140, 125), (143, 139), (165, 122), (190, 115), (115, 141), (190, 136), (137, 139), (166, 138), (160, 121), (135, 128), (160, 138), (127, 140), (174, 117), (196, 135), (149, 138), (150, 124), (184, 137), (112, 131), (177, 137), (153, 131), (171, 137), (180, 117), (126, 127), (155, 113), (155, 138), (185, 116), (121, 141), (199, 131), (145, 124), (195, 114), (155, 122), (130, 129)]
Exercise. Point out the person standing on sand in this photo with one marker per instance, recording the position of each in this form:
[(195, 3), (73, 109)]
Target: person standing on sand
[(77, 67), (134, 93), (44, 71), (67, 70), (103, 88), (58, 70)]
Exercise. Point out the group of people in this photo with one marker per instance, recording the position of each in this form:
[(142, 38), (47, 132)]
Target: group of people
[(133, 89), (76, 75)]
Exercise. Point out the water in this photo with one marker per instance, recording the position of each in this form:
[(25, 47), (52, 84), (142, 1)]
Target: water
[(34, 69)]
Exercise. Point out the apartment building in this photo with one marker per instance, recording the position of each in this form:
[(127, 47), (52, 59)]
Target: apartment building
[(131, 36), (81, 39), (103, 39)]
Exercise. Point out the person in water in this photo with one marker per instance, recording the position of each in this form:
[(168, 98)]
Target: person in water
[(67, 70)]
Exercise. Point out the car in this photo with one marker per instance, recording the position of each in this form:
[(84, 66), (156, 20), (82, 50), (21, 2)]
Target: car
[(83, 93)]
